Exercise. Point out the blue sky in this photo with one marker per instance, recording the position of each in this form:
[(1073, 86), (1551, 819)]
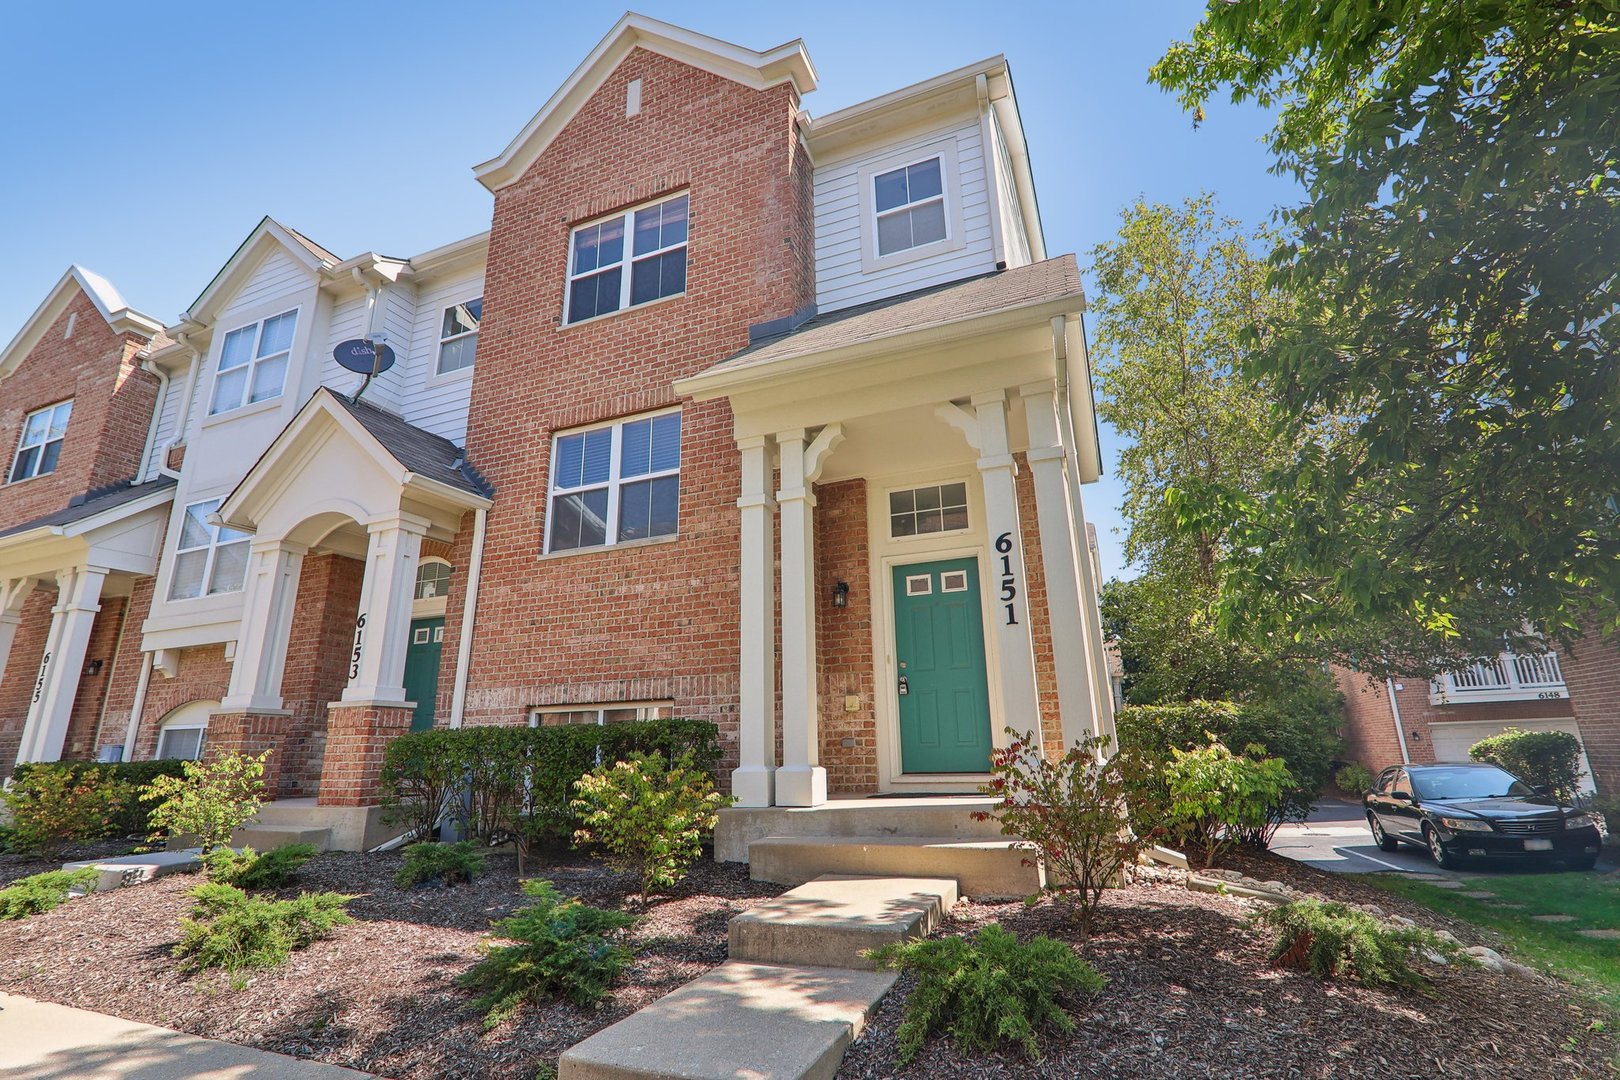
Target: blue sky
[(145, 140)]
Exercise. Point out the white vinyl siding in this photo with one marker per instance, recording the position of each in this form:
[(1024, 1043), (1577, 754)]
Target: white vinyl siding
[(1015, 237), (438, 403), (166, 434), (277, 276)]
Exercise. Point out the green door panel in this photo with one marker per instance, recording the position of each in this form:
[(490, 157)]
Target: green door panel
[(422, 669), (939, 650)]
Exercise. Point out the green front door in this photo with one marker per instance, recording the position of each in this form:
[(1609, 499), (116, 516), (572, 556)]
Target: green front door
[(422, 669), (944, 693)]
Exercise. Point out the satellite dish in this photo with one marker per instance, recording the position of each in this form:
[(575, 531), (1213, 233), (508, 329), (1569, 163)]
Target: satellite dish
[(363, 357)]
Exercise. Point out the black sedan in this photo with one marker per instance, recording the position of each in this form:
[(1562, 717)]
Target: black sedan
[(1474, 810)]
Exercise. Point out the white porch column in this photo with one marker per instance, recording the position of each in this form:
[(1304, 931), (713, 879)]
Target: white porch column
[(753, 781), (801, 781), (383, 627), (274, 567), (50, 708), (12, 596), (1076, 628)]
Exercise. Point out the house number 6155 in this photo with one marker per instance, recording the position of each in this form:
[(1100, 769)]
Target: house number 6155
[(1009, 587)]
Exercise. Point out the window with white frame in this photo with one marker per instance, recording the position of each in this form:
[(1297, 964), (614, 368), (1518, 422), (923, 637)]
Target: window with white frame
[(458, 335), (183, 734), (209, 559), (40, 447), (601, 715), (615, 483), (253, 362), (935, 508), (432, 579), (605, 275), (909, 203)]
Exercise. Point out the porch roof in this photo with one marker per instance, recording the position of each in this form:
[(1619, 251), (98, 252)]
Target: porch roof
[(93, 503), (422, 452)]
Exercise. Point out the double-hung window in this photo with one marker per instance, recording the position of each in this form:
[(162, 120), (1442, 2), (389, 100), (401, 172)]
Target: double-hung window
[(458, 335), (606, 274), (41, 444), (209, 559), (615, 483), (253, 362), (910, 206)]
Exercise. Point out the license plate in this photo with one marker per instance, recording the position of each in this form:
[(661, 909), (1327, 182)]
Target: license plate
[(1538, 845)]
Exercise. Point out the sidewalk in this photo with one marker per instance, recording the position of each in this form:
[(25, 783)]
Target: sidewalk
[(41, 1041)]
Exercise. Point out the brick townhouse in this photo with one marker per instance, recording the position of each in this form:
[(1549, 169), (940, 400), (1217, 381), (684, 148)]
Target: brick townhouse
[(735, 413)]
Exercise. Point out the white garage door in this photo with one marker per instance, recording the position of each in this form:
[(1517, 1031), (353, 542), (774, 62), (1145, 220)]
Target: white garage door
[(1451, 741)]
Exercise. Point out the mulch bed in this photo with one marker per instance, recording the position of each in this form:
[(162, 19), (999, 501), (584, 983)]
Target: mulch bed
[(380, 995), (1191, 995), (14, 866)]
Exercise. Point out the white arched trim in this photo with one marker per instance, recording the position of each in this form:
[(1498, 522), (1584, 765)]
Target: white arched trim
[(183, 732)]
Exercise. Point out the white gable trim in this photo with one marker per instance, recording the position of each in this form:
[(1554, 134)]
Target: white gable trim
[(789, 62), (108, 302), (244, 261)]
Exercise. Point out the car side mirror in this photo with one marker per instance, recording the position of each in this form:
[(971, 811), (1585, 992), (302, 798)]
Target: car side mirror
[(1402, 796)]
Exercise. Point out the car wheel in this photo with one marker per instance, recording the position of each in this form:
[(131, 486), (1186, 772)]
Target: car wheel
[(1385, 841), (1442, 858)]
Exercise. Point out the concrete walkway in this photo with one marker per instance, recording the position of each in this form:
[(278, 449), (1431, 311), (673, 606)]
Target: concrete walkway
[(41, 1041)]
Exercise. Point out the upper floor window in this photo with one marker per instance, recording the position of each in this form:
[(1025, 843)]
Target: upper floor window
[(458, 335), (599, 281), (208, 559), (41, 444), (910, 206), (253, 362), (615, 483)]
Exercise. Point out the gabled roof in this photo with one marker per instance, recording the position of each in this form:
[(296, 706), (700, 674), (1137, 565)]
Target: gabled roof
[(788, 62), (268, 232), (427, 455), (108, 302), (98, 503)]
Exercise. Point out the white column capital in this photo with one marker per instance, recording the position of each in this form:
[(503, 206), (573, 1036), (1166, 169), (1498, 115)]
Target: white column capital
[(274, 544), (400, 520)]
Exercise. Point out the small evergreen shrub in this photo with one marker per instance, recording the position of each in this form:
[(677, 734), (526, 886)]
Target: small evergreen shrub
[(447, 864), (256, 871), (1548, 759), (561, 948), (1353, 779), (210, 801), (231, 930), (53, 808), (650, 818), (1215, 795), (987, 990), (1330, 939), (131, 817), (42, 892)]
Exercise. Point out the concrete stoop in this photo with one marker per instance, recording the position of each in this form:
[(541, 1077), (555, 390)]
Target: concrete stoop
[(139, 869), (268, 837), (981, 868), (831, 921)]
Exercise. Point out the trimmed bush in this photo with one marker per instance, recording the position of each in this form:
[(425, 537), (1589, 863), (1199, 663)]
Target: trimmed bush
[(231, 930), (1353, 779), (1329, 939), (651, 819), (255, 871), (131, 818), (52, 808), (562, 948), (1217, 796), (42, 892), (1549, 759), (210, 801), (988, 990), (447, 864)]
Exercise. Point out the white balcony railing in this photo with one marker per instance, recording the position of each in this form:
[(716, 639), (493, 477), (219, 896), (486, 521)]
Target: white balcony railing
[(1509, 677)]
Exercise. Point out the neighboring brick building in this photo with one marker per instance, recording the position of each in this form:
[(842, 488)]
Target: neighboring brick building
[(735, 413)]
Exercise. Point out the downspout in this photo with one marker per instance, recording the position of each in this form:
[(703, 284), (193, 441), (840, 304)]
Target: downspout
[(183, 422), (469, 610), (157, 414), (137, 707), (1395, 714)]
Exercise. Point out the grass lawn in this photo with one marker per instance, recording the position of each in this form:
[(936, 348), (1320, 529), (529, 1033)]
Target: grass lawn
[(1593, 900)]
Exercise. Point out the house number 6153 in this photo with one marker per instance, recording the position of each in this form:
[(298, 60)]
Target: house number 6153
[(1009, 587), (359, 646)]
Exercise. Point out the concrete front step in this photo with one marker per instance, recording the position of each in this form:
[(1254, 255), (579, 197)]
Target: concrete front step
[(139, 869), (759, 1021), (939, 816), (981, 868), (831, 921), (268, 837)]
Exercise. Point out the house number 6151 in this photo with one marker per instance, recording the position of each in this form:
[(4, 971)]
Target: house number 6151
[(1009, 587)]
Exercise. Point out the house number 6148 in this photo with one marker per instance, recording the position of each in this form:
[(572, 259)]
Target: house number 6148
[(1009, 587)]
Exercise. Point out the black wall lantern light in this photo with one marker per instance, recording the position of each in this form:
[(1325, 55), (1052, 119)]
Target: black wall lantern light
[(841, 594)]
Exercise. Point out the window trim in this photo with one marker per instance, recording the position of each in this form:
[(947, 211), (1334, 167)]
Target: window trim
[(190, 725), (439, 371), (950, 182), (212, 548), (626, 261), (601, 709), (615, 482), (22, 434), (888, 514), (297, 312)]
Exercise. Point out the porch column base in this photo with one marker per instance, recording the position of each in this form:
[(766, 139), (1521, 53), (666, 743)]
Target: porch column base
[(356, 735), (753, 785), (234, 731), (801, 785)]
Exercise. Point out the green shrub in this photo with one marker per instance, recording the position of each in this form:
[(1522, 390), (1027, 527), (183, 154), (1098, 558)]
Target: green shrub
[(448, 864), (650, 818), (255, 871), (1215, 794), (1071, 812), (231, 930), (131, 818), (210, 801), (52, 808), (1328, 939), (42, 892), (987, 990), (561, 948), (1353, 779), (1549, 759)]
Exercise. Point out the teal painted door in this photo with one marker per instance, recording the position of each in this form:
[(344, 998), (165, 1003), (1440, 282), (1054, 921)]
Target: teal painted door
[(944, 693), (422, 669)]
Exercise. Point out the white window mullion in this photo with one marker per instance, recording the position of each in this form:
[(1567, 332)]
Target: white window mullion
[(615, 460), (628, 223)]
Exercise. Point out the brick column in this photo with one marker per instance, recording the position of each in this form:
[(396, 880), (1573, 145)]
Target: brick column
[(233, 731), (356, 735), (1592, 675)]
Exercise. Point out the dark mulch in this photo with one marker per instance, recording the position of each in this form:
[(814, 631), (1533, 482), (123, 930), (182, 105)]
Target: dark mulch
[(13, 866), (1191, 995), (380, 995)]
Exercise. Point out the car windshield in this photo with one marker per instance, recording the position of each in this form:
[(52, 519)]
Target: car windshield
[(1467, 783)]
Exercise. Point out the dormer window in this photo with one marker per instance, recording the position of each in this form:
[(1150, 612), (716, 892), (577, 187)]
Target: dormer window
[(599, 282), (910, 205), (458, 335), (253, 362), (40, 447)]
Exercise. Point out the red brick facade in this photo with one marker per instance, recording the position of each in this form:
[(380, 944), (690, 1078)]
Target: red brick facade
[(355, 738), (849, 739), (1592, 673)]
